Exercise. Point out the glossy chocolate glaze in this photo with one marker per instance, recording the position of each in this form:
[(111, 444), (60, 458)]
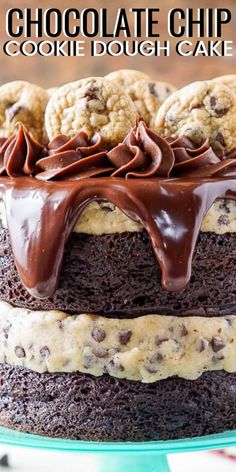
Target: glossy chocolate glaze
[(166, 184), (41, 216)]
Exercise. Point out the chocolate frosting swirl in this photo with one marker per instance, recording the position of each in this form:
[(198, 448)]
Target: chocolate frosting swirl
[(143, 154), (76, 158), (202, 161), (19, 154)]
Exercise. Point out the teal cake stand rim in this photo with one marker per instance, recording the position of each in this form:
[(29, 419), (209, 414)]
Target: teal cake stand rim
[(216, 441), (147, 456)]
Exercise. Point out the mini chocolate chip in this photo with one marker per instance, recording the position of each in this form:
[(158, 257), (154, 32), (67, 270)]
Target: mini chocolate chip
[(223, 220), (6, 330), (159, 341), (4, 461), (90, 96), (156, 358), (13, 111), (176, 346), (217, 344), (100, 352), (88, 362), (107, 207), (215, 359), (124, 336), (90, 92), (115, 366), (224, 206), (183, 331), (45, 351), (60, 324), (19, 352), (219, 109), (213, 101), (151, 369), (229, 321), (220, 138), (152, 89), (203, 345), (98, 334)]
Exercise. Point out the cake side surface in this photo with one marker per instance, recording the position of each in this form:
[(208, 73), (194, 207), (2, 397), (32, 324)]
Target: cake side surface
[(79, 406), (128, 282), (117, 266)]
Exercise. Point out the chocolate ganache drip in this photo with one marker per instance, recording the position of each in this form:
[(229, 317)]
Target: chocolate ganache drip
[(136, 176)]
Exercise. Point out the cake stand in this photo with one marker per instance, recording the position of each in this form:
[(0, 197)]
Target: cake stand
[(120, 457)]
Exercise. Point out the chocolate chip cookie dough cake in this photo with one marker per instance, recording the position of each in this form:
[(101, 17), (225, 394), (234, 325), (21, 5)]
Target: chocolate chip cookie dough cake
[(117, 263)]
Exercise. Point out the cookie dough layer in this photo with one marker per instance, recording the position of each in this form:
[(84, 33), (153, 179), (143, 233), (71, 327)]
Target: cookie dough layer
[(147, 349), (105, 218)]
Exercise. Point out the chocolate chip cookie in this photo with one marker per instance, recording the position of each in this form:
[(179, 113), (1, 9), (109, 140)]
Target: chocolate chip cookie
[(146, 94), (126, 77), (22, 102), (202, 109), (229, 80), (93, 104)]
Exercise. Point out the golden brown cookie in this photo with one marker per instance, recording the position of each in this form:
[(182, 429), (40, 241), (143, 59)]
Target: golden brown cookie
[(229, 80), (127, 77), (147, 95), (93, 104), (202, 109), (22, 102)]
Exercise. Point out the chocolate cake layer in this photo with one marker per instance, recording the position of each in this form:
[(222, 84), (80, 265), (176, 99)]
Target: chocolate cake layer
[(118, 275), (79, 406)]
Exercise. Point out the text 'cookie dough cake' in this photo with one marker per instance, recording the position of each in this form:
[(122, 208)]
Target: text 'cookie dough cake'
[(117, 259)]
